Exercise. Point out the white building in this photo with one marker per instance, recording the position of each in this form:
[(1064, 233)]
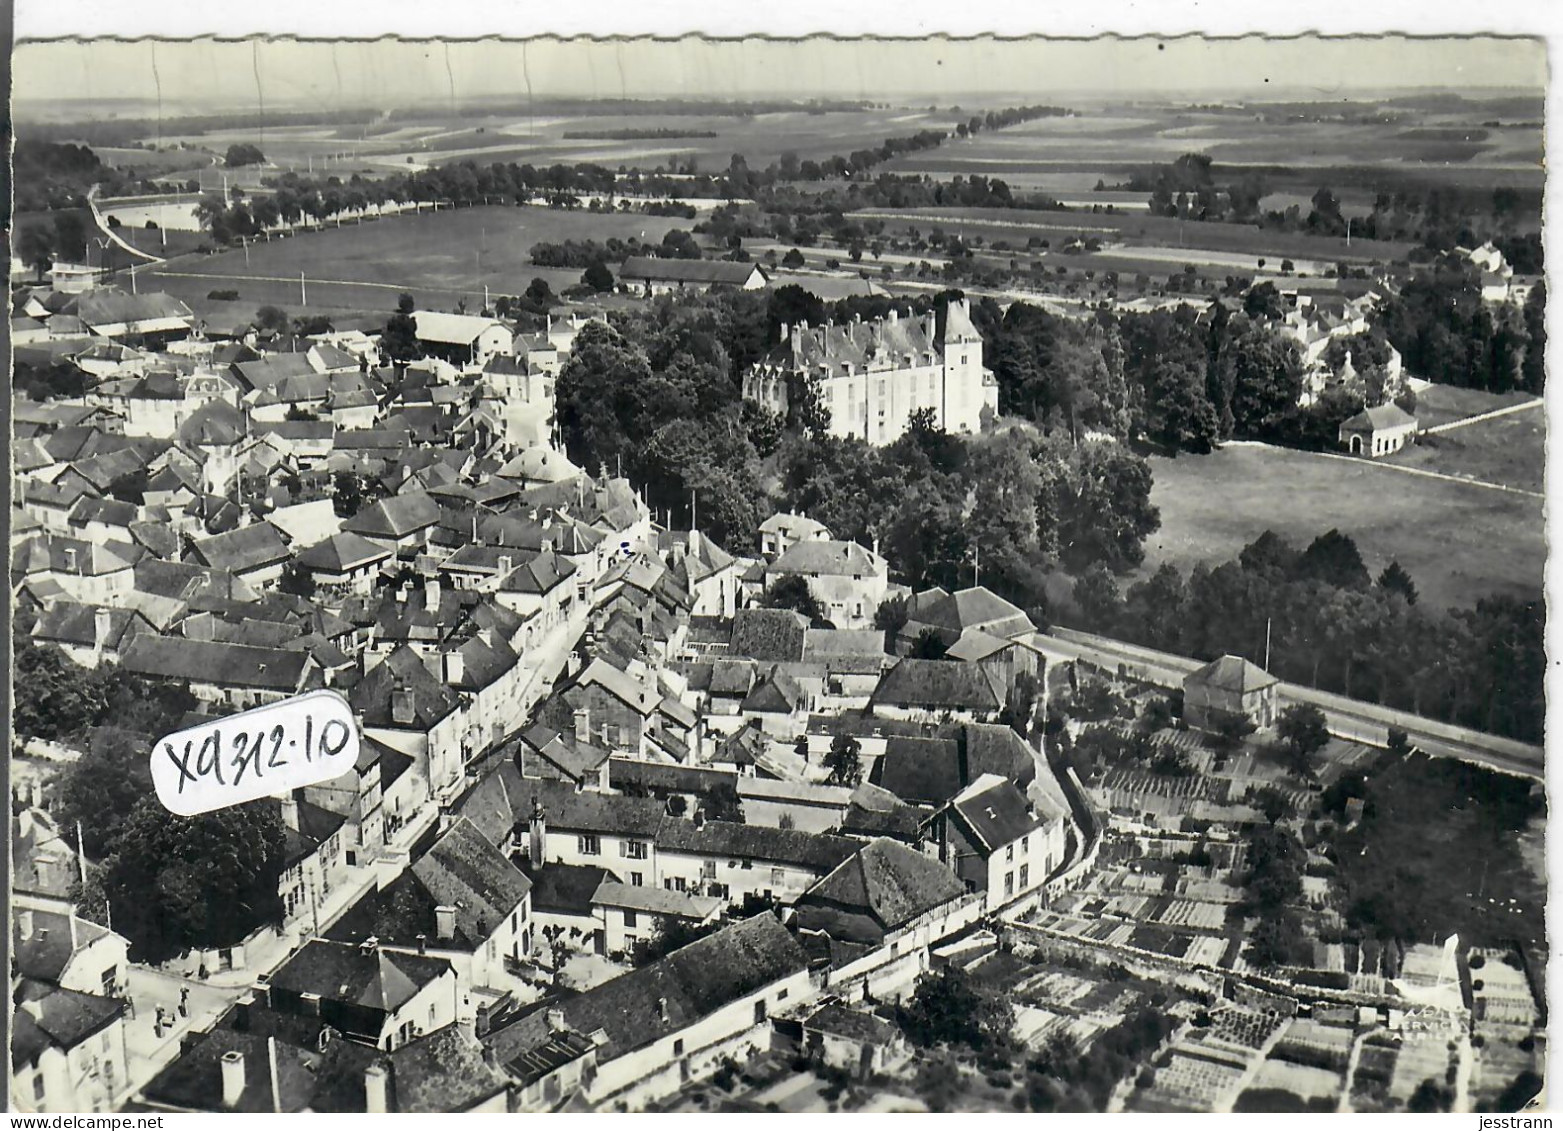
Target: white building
[(872, 376)]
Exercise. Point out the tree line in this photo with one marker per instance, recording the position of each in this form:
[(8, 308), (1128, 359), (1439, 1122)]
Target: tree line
[(1330, 625)]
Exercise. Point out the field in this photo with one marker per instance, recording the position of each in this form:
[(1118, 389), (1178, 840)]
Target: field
[(1509, 450), (546, 139), (1459, 542), (1069, 155), (1441, 404), (438, 258)]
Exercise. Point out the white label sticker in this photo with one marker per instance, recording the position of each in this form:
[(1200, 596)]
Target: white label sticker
[(300, 741)]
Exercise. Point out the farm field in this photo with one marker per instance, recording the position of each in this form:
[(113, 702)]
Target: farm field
[(1459, 542), (438, 258), (1509, 450), (552, 139), (1107, 143), (1141, 230)]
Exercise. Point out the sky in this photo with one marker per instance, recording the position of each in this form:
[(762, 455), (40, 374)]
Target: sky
[(210, 74)]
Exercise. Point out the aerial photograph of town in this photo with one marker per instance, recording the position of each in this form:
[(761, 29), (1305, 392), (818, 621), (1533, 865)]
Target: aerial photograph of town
[(693, 575)]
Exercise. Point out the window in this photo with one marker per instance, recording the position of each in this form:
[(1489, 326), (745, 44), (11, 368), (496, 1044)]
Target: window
[(778, 877), (708, 869), (38, 1086), (1025, 874), (636, 879), (1009, 855), (589, 844), (1009, 883), (629, 919), (759, 1011), (431, 1018), (634, 849), (678, 1047)]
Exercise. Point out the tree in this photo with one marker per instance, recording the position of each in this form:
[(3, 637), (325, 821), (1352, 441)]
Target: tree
[(1303, 731), (347, 496), (793, 259), (296, 580), (890, 616), (177, 883), (929, 645), (1277, 940), (1096, 593), (399, 341), (99, 790), (70, 236), (271, 319), (35, 247), (1396, 580), (53, 697), (597, 276), (670, 934), (946, 1008), (1264, 301), (844, 760), (1430, 1096), (1334, 559), (793, 592), (243, 155)]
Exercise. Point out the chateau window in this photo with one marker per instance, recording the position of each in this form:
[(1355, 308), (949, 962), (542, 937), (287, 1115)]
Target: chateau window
[(589, 844)]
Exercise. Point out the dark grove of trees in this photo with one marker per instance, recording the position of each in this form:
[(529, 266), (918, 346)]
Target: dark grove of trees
[(1333, 628), (1446, 333)]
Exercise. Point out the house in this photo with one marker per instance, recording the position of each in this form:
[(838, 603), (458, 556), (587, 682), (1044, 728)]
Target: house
[(848, 580), (855, 1040), (110, 313), (311, 862), (45, 866), (928, 770), (404, 706), (461, 339), (401, 522), (89, 634), (949, 616), (255, 553), (1229, 687), (103, 520), (767, 635), (631, 914), (67, 951), (711, 573), (68, 1050), (547, 755), (345, 562), (377, 997), (872, 376), (734, 861), (462, 901), (617, 710), (238, 676), (89, 572), (1378, 431), (935, 689), (878, 891), (992, 840), (540, 588), (648, 275), (673, 1020), (375, 799), (783, 530), (1006, 658)]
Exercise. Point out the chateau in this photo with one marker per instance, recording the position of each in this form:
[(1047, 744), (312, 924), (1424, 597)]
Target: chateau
[(873, 375)]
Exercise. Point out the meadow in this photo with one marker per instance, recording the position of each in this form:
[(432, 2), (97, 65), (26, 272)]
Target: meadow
[(438, 258), (1509, 450), (1458, 541)]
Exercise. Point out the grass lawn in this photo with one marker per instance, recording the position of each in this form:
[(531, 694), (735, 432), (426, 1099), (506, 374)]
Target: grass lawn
[(1440, 404), (1511, 450), (436, 257), (1458, 542)]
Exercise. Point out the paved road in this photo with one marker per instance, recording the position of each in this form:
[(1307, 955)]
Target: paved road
[(1348, 718)]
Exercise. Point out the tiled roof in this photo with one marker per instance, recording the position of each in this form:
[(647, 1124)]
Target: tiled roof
[(341, 553), (1231, 673), (994, 812), (655, 901), (817, 558), (768, 634), (248, 548), (401, 680), (444, 1071), (395, 517), (354, 975), (885, 884), (936, 684), (221, 664), (817, 851), (687, 270)]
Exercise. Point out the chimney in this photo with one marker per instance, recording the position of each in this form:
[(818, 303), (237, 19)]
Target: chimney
[(24, 921), (445, 923), (70, 559), (555, 1020), (290, 809), (455, 667), (662, 1009), (423, 944), (506, 564), (537, 833), (102, 626), (233, 1078), (403, 711), (583, 724), (700, 817), (431, 595), (694, 541), (375, 1077)]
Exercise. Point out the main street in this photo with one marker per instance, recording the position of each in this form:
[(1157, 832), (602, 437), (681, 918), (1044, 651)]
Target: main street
[(1347, 718)]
